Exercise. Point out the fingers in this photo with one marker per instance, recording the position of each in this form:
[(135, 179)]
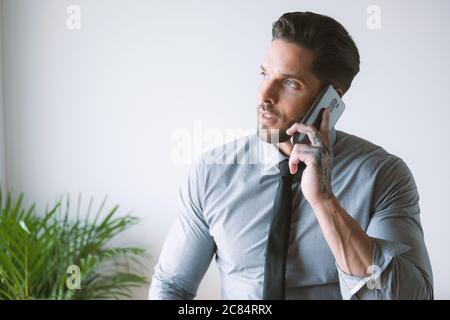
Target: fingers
[(304, 153), (316, 137), (325, 126), (312, 133)]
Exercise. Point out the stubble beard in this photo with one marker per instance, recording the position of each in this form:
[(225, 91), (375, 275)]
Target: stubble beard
[(274, 135)]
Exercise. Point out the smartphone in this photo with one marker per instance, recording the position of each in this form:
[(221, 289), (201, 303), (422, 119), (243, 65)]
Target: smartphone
[(327, 98)]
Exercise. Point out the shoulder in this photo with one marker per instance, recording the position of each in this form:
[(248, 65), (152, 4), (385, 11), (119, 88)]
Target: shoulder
[(387, 173), (227, 161), (354, 149), (229, 152)]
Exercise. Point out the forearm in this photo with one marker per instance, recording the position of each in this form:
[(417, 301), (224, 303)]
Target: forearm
[(350, 245)]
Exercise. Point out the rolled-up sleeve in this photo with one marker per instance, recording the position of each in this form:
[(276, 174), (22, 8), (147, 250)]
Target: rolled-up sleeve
[(401, 267), (188, 249)]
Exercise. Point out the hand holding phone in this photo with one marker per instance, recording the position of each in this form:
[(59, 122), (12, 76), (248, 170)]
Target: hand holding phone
[(328, 98)]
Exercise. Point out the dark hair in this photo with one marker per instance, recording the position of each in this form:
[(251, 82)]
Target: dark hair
[(336, 55)]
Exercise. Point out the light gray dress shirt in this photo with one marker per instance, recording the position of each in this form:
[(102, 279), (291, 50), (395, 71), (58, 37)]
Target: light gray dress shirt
[(225, 212)]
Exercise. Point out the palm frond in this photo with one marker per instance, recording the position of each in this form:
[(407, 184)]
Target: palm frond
[(36, 249)]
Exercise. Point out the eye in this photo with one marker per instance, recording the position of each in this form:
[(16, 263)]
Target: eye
[(264, 75), (292, 84)]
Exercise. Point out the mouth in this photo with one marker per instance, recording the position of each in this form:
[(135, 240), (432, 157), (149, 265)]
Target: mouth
[(267, 118)]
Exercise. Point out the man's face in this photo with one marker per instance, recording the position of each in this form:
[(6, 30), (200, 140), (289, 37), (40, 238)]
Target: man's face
[(287, 91)]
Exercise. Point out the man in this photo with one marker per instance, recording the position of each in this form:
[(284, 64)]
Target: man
[(354, 230)]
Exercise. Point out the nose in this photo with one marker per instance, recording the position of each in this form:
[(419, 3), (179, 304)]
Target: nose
[(267, 93)]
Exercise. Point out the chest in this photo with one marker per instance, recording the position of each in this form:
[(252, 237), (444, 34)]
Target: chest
[(239, 213)]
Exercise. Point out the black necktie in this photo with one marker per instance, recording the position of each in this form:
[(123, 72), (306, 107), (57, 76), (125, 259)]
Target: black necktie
[(277, 243)]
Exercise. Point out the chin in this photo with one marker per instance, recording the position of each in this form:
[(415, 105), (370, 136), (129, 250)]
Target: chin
[(264, 135), (272, 135)]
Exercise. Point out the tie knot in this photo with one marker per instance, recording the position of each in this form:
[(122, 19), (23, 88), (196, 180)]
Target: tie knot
[(284, 168)]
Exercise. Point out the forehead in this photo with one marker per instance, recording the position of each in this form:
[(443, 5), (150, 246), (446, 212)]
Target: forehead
[(288, 58)]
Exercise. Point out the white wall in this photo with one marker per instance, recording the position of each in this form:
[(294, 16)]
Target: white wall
[(2, 123), (93, 110)]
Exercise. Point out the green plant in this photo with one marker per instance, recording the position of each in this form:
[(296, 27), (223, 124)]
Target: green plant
[(36, 251)]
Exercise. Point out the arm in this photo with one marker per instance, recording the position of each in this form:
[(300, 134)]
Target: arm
[(188, 249), (402, 268), (393, 242), (398, 266)]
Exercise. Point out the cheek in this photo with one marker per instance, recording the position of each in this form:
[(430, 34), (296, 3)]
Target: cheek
[(295, 107)]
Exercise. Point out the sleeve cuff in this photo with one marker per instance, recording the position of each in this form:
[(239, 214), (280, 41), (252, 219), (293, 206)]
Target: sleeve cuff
[(383, 252)]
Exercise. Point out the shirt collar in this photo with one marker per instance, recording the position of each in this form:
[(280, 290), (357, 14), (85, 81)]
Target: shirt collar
[(271, 156)]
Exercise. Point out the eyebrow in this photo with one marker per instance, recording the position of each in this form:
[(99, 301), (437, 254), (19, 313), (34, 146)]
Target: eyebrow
[(287, 75)]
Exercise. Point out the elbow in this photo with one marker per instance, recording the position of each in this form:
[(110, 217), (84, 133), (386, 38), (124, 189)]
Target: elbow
[(418, 285), (166, 289)]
